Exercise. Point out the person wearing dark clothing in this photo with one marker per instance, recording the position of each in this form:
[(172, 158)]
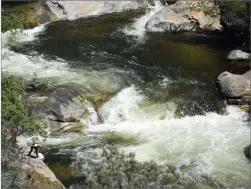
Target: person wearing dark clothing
[(35, 146)]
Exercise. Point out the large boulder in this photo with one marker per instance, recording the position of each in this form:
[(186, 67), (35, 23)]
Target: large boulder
[(77, 9), (180, 17), (167, 20), (37, 174), (233, 85), (62, 108), (247, 151), (238, 55)]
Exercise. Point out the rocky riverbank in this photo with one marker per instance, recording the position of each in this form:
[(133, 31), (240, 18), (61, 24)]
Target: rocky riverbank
[(236, 89), (33, 173), (180, 17), (135, 96)]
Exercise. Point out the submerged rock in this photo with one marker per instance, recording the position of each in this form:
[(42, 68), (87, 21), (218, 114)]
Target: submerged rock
[(179, 17), (247, 151), (238, 55), (34, 86)]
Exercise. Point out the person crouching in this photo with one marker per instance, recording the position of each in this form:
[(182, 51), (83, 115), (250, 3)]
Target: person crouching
[(35, 146)]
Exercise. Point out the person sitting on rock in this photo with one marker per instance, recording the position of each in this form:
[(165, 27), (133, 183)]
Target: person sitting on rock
[(35, 146)]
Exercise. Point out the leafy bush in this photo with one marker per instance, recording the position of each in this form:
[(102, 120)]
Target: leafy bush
[(13, 19), (208, 7), (120, 170), (240, 7), (15, 118)]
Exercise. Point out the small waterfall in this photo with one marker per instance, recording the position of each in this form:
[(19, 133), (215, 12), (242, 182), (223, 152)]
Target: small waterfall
[(93, 116), (137, 29), (21, 36)]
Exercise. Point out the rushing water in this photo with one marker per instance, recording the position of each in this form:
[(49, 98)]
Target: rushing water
[(155, 79)]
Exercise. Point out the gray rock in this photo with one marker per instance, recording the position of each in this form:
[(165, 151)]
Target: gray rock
[(178, 17), (34, 86), (167, 20), (238, 55), (247, 151), (59, 105), (38, 175), (233, 85)]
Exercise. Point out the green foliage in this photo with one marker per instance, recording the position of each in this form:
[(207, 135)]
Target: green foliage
[(240, 7), (213, 8), (208, 7), (119, 170), (13, 19), (15, 119), (14, 110)]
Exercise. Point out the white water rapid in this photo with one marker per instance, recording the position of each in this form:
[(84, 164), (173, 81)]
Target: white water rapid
[(137, 29), (54, 70), (210, 144)]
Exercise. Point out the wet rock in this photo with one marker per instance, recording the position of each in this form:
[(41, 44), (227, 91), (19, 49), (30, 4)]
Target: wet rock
[(238, 55), (179, 17), (167, 20), (236, 89), (59, 105), (233, 85), (199, 107), (34, 86), (64, 109), (66, 126), (37, 174), (247, 151)]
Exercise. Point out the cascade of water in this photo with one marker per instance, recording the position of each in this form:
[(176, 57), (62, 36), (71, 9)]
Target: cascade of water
[(137, 29)]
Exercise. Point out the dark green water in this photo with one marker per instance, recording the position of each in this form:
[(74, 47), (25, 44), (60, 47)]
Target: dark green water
[(98, 44), (165, 67)]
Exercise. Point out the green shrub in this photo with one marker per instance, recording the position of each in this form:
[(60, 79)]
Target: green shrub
[(119, 170), (15, 119), (13, 19), (240, 7)]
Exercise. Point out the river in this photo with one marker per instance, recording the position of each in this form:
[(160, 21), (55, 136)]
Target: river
[(163, 105)]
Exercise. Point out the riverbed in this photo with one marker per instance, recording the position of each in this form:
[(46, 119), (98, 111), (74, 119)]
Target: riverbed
[(163, 104)]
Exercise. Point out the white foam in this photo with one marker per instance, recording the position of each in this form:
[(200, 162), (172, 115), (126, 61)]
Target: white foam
[(58, 71), (21, 36), (121, 107), (93, 116), (138, 27), (213, 144)]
